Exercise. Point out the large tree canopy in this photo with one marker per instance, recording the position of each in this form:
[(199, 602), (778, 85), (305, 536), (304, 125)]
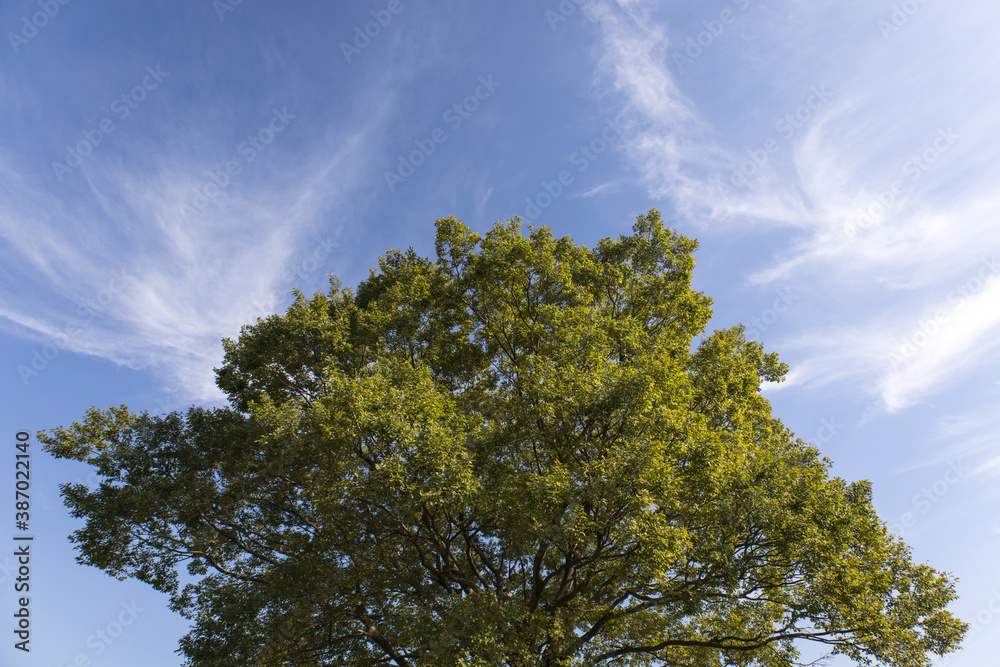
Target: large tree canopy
[(510, 456)]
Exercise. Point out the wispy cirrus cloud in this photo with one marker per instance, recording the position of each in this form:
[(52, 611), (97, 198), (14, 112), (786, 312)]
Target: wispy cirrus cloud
[(228, 185), (887, 183), (190, 276)]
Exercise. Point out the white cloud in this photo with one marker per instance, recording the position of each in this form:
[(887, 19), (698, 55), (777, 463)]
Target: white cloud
[(191, 278), (902, 134), (595, 190), (934, 351), (898, 359)]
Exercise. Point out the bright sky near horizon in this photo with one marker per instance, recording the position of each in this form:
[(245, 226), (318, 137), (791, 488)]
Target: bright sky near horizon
[(172, 170)]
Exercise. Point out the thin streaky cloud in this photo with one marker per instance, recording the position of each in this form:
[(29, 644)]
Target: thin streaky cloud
[(847, 154), (595, 190), (194, 278)]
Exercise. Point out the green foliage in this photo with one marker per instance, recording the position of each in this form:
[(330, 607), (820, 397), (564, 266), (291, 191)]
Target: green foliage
[(511, 456)]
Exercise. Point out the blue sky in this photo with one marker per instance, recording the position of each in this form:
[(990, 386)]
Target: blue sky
[(172, 170)]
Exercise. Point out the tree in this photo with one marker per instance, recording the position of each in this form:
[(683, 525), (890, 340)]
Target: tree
[(514, 456)]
